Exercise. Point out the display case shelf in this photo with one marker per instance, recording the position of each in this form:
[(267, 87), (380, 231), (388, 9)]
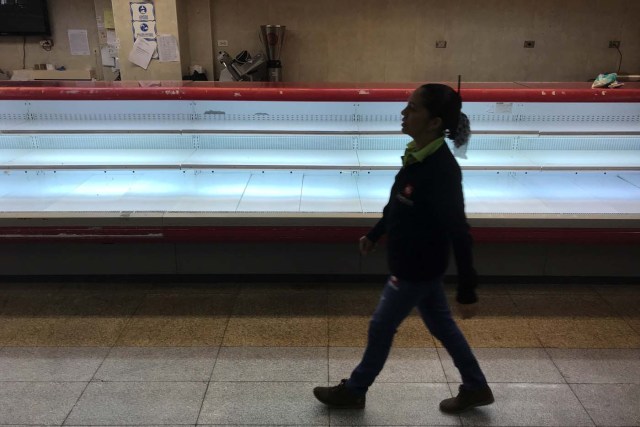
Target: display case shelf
[(298, 152), (254, 191)]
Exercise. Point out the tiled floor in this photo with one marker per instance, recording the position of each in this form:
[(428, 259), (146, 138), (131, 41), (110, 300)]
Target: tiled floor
[(250, 354)]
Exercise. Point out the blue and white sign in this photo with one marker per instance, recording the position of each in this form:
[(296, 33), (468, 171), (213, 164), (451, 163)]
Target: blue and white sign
[(142, 12), (144, 29)]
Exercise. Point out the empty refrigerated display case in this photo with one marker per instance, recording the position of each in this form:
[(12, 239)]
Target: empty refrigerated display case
[(264, 178)]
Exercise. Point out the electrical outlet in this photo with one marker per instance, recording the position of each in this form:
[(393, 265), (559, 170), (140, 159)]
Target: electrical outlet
[(223, 43), (441, 44), (46, 44), (614, 44), (529, 44)]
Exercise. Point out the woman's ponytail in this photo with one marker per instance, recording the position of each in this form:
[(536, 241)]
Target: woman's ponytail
[(462, 133)]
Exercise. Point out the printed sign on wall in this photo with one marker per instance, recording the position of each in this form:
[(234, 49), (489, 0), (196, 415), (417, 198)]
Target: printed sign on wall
[(144, 29), (142, 12)]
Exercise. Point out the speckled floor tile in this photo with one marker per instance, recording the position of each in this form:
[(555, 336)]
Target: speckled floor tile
[(95, 304), (351, 331), (187, 305), (598, 365), (580, 321), (497, 331), (281, 303), (497, 324), (106, 287), (29, 288), (375, 287), (50, 364), (23, 304), (173, 331), (272, 331), (52, 319), (583, 305), (393, 404), (139, 425), (624, 303), (610, 404), (568, 289), (349, 316), (66, 320), (279, 319), (528, 405), (117, 403), (585, 332), (38, 402), (633, 322), (403, 365), (302, 319), (482, 289), (67, 331), (626, 288), (353, 302), (271, 364), (8, 329), (179, 320), (290, 403), (24, 425), (195, 288), (250, 288), (158, 364), (508, 365)]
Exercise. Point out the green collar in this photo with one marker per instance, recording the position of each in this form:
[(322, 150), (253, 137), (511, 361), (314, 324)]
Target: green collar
[(413, 155)]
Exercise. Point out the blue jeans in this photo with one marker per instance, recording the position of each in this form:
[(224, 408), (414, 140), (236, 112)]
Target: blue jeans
[(397, 300)]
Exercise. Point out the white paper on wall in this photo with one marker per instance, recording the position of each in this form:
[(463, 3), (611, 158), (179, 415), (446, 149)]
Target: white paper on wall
[(142, 12), (142, 52), (107, 59), (168, 48), (79, 42), (111, 38)]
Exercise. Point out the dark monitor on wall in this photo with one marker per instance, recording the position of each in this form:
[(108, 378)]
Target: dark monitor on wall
[(24, 18)]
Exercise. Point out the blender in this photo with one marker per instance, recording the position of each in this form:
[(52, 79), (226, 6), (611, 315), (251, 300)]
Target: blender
[(272, 37)]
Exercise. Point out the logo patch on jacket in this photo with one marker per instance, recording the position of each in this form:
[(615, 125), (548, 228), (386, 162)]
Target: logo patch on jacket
[(405, 195)]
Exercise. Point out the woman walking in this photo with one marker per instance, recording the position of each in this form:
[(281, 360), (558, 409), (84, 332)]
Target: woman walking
[(423, 218)]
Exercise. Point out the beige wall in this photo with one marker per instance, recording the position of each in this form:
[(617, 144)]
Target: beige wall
[(183, 31), (201, 47), (370, 40), (394, 40), (64, 15)]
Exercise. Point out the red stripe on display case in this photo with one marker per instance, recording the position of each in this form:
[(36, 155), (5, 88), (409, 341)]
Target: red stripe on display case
[(297, 234), (263, 91)]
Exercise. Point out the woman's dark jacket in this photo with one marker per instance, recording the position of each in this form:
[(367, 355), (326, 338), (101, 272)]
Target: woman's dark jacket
[(424, 216)]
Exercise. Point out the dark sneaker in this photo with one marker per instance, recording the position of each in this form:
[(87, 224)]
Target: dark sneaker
[(339, 396), (467, 399)]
